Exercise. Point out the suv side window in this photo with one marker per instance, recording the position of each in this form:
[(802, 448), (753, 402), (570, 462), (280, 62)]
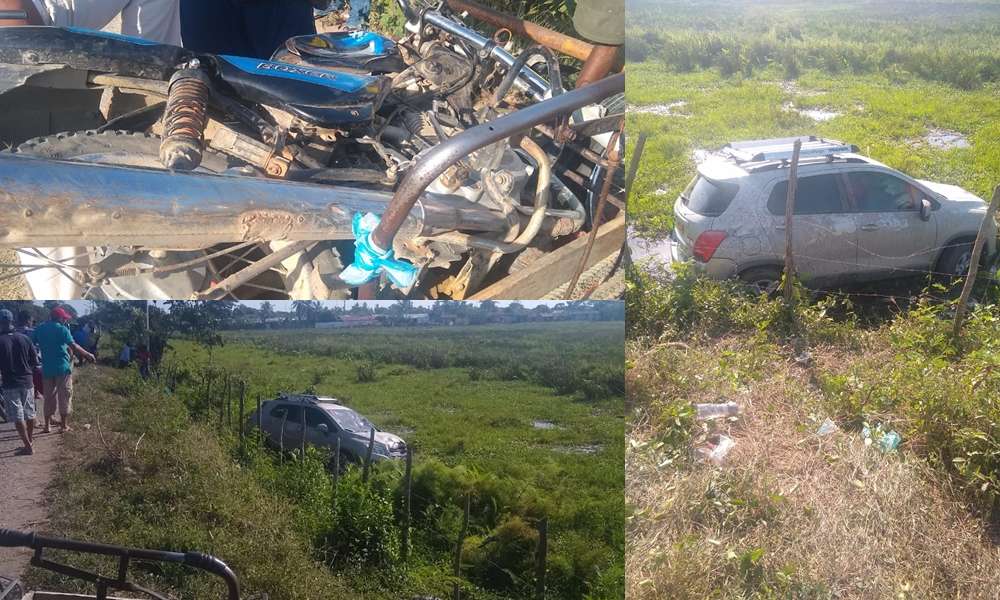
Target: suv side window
[(314, 417), (294, 413), (882, 192), (814, 195)]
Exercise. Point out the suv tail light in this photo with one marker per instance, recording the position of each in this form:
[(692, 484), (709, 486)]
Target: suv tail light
[(707, 243)]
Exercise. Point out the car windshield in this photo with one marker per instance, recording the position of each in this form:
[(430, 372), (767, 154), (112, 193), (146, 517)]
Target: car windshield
[(348, 420)]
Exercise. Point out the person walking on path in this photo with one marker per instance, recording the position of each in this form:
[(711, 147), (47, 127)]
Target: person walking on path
[(56, 343), (17, 361), (25, 324)]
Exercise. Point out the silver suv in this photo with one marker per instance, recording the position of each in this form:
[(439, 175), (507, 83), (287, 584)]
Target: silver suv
[(855, 219), (287, 418)]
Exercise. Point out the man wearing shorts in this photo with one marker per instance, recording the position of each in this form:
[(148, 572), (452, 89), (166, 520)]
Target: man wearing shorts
[(17, 361), (154, 20), (56, 343)]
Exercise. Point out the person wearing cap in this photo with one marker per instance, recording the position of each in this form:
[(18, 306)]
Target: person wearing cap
[(56, 343), (17, 361)]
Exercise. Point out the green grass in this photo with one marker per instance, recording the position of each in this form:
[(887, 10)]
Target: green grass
[(472, 424), (885, 111)]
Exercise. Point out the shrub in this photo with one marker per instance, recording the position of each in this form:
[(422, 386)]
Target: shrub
[(496, 560)]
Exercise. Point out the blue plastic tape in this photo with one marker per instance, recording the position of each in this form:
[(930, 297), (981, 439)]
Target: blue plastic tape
[(369, 262)]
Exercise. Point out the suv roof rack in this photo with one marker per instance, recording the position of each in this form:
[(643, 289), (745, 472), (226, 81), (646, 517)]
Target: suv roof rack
[(820, 160), (306, 398), (781, 149)]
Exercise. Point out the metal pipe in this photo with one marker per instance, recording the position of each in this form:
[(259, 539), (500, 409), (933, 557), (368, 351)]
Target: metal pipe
[(554, 40), (45, 203), (442, 156)]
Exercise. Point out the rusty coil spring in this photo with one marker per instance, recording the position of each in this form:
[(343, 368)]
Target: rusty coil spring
[(184, 120)]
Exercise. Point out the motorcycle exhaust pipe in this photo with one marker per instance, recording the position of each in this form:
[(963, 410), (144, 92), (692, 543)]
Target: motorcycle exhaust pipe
[(46, 203)]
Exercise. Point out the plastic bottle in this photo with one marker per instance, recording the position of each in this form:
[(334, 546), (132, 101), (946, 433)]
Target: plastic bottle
[(716, 411)]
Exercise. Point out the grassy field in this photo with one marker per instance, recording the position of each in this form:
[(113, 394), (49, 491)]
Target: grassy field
[(792, 513), (884, 72), (490, 427)]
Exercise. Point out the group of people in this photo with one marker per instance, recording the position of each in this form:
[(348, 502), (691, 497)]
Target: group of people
[(253, 28), (37, 362), (139, 354)]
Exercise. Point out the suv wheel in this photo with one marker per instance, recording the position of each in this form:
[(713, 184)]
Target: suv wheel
[(762, 280), (956, 260)]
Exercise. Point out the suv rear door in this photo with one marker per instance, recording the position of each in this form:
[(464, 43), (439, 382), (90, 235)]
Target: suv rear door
[(696, 209), (893, 239), (824, 232), (285, 425)]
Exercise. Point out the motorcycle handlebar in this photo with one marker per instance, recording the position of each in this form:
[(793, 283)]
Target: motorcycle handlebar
[(527, 79), (18, 539)]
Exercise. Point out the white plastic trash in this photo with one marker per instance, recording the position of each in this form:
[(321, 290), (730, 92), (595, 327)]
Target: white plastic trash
[(828, 427), (717, 448), (707, 412)]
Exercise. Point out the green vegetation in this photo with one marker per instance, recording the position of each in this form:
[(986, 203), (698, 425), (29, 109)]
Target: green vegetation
[(568, 357), (149, 475), (899, 72), (483, 430), (792, 514)]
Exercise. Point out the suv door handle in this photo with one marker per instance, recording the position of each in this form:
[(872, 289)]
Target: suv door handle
[(779, 227), (869, 227)]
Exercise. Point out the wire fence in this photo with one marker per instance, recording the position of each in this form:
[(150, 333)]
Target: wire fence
[(226, 397)]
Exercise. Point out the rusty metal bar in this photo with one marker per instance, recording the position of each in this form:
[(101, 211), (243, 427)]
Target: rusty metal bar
[(614, 158), (568, 45), (47, 203)]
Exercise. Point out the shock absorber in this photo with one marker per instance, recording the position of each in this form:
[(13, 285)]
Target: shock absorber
[(184, 119)]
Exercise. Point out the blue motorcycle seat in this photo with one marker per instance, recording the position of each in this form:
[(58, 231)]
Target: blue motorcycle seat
[(322, 97)]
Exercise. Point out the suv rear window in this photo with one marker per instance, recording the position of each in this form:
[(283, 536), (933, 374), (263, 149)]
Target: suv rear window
[(709, 198), (816, 195)]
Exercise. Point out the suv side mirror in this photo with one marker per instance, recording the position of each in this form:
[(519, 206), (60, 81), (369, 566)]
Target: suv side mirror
[(324, 428), (925, 209)]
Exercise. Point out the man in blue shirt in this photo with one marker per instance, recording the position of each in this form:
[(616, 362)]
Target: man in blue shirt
[(56, 343), (17, 360)]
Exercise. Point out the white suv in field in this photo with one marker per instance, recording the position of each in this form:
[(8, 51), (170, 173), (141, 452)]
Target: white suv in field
[(855, 219)]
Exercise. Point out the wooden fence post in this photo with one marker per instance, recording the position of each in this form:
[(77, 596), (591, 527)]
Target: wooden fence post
[(368, 457), (281, 435), (793, 178), (336, 467), (540, 557), (407, 486), (242, 421), (222, 407), (260, 434), (457, 590), (977, 251), (229, 403), (302, 441)]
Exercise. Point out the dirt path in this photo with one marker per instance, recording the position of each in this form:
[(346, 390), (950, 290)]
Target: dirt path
[(22, 491)]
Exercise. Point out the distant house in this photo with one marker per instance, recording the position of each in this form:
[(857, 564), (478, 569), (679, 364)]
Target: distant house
[(418, 318), (350, 321)]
